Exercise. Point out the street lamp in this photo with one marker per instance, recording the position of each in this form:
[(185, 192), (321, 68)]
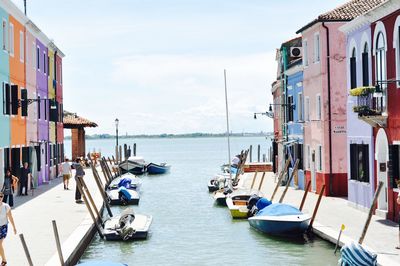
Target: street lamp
[(116, 130)]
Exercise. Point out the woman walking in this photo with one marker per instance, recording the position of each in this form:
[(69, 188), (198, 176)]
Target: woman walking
[(5, 216), (8, 187)]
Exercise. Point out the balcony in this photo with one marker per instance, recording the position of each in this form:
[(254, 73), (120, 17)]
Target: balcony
[(371, 105)]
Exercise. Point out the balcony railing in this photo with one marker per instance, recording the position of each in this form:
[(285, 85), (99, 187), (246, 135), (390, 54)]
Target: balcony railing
[(371, 105)]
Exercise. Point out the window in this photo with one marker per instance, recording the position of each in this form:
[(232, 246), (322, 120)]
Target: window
[(394, 165), (307, 109), (365, 66), (21, 47), (298, 154), (38, 58), (45, 109), (359, 162), (319, 157), (14, 99), (289, 108), (380, 58), (300, 106), (5, 32), (316, 48), (305, 53), (11, 39), (319, 108), (308, 157), (48, 66), (353, 70), (33, 55)]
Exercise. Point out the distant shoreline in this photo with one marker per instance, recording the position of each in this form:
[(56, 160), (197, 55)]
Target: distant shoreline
[(189, 135)]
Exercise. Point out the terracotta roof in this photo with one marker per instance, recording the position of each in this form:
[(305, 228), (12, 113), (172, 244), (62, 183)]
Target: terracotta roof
[(72, 120), (346, 12)]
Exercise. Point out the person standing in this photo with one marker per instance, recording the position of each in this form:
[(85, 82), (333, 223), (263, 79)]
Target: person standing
[(5, 216), (25, 175), (79, 172), (8, 187), (66, 172)]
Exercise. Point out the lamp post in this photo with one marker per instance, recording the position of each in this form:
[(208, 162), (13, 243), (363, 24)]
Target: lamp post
[(116, 130)]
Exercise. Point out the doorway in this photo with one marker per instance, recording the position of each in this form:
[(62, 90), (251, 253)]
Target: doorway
[(382, 157)]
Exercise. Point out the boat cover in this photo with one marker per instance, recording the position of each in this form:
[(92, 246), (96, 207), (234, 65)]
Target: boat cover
[(125, 182), (354, 254), (122, 191), (279, 209), (262, 203)]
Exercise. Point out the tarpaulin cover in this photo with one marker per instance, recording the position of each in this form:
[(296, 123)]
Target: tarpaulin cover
[(262, 203), (279, 209), (125, 182), (354, 254), (125, 192)]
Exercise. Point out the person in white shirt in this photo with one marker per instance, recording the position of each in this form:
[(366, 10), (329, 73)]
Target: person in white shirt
[(5, 216), (66, 172)]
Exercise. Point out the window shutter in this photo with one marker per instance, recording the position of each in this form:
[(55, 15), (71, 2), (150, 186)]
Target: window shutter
[(300, 155), (8, 99), (24, 102), (353, 73), (365, 152), (365, 69), (393, 164), (38, 158), (14, 99), (353, 161)]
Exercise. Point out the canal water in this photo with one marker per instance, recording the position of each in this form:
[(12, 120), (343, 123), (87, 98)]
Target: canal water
[(188, 229)]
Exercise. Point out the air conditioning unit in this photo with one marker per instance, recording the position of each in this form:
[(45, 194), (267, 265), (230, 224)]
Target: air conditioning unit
[(296, 51)]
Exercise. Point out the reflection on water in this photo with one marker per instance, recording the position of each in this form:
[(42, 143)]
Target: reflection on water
[(187, 228)]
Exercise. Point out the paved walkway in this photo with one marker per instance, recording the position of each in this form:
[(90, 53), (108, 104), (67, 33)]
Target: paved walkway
[(34, 214), (382, 235)]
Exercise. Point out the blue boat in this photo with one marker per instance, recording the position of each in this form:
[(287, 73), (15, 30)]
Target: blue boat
[(157, 169), (280, 219)]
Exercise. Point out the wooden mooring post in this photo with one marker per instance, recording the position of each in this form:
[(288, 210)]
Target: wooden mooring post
[(303, 200), (26, 250), (251, 153), (295, 169), (254, 180), (316, 208), (134, 149), (258, 153), (281, 175), (81, 190), (102, 190), (58, 243), (261, 183), (370, 213)]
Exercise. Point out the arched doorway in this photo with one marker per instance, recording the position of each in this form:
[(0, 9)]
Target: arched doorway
[(382, 157)]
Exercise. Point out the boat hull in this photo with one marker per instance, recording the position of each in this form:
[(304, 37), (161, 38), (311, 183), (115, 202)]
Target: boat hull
[(132, 167), (281, 225), (157, 169), (237, 211), (220, 198), (113, 197)]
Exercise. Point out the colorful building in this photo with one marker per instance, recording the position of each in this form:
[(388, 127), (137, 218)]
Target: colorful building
[(28, 105), (360, 141), (378, 105), (325, 94)]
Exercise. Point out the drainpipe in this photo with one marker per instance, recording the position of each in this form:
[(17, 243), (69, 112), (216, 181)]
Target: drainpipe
[(329, 107)]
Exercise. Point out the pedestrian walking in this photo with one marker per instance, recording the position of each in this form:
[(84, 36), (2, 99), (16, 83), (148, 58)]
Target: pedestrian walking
[(79, 172), (23, 180), (8, 187), (5, 216), (66, 172)]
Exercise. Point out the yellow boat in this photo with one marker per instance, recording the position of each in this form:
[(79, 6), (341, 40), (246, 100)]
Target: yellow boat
[(238, 206)]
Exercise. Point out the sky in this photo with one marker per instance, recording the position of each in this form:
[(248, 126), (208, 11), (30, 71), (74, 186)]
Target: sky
[(158, 65)]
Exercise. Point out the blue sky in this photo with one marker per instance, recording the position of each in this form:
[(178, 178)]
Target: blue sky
[(158, 65)]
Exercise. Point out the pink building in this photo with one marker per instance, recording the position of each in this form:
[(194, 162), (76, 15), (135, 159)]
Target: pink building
[(325, 96)]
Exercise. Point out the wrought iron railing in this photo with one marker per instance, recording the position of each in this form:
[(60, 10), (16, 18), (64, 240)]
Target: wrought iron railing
[(370, 104)]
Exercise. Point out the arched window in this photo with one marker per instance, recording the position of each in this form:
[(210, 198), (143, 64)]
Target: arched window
[(380, 58), (365, 66), (353, 69)]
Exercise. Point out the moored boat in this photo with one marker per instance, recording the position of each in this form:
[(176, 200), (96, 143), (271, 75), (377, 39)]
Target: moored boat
[(127, 226), (123, 196), (218, 182), (157, 169), (237, 206), (134, 165), (127, 180), (280, 219)]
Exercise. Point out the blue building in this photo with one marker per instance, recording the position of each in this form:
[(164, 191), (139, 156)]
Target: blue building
[(295, 118)]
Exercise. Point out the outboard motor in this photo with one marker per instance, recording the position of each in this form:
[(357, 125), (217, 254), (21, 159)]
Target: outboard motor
[(227, 190), (126, 219), (251, 205)]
